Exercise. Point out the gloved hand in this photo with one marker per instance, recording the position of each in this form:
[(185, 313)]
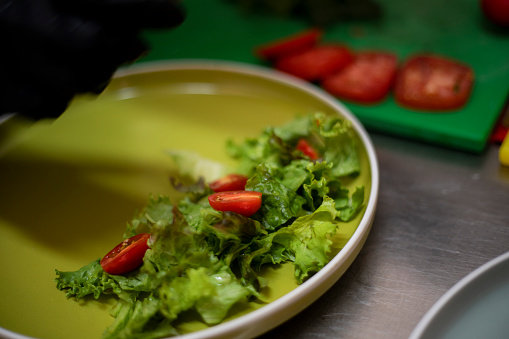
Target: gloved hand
[(52, 50)]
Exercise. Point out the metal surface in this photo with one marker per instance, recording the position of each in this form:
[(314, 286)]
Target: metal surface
[(441, 214)]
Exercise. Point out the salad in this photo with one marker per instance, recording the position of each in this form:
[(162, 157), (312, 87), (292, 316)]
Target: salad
[(283, 203)]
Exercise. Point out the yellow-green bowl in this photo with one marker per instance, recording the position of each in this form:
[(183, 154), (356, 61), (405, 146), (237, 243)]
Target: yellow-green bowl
[(69, 186)]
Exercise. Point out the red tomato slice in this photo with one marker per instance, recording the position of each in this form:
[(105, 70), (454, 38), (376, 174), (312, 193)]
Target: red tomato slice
[(293, 44), (367, 79), (126, 256), (316, 63), (307, 149), (231, 182), (245, 203), (497, 11), (434, 83)]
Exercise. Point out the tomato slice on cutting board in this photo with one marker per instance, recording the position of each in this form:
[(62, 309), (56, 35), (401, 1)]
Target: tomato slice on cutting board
[(431, 82), (368, 79), (289, 45), (245, 203), (126, 256), (497, 11), (317, 62)]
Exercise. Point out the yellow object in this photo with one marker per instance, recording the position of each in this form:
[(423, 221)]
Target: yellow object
[(504, 151)]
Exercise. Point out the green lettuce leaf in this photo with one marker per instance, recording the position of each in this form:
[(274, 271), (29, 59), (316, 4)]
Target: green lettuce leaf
[(179, 273), (88, 280), (294, 129), (139, 320), (226, 233), (332, 135), (157, 211), (307, 242), (268, 149), (205, 261), (340, 145), (353, 206), (279, 204)]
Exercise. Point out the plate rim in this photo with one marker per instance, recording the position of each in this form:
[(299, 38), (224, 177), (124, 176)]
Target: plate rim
[(457, 289), (302, 296)]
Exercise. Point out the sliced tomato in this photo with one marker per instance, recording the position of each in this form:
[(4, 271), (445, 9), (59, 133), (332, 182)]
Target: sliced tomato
[(289, 45), (433, 82), (126, 256), (307, 149), (497, 11), (245, 203), (316, 63), (231, 182), (368, 79)]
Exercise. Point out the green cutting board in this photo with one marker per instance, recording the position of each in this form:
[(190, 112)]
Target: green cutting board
[(216, 29)]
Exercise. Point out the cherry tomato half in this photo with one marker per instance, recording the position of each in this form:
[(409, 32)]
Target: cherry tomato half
[(307, 149), (231, 182), (245, 203), (126, 256), (434, 83), (317, 62), (366, 80), (289, 45)]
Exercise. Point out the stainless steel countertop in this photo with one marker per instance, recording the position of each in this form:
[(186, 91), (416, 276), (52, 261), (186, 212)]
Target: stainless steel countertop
[(441, 214)]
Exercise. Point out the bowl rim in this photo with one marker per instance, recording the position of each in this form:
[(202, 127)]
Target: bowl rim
[(473, 281)]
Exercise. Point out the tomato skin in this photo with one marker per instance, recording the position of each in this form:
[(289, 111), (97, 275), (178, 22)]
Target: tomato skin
[(307, 149), (316, 63), (499, 133), (231, 182), (289, 45), (245, 203), (126, 256), (431, 82), (368, 79), (497, 11)]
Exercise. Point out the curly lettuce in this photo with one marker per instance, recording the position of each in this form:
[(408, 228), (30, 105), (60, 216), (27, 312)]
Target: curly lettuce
[(205, 261)]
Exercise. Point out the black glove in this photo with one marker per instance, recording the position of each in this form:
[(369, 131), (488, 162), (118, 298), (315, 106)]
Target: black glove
[(51, 50)]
